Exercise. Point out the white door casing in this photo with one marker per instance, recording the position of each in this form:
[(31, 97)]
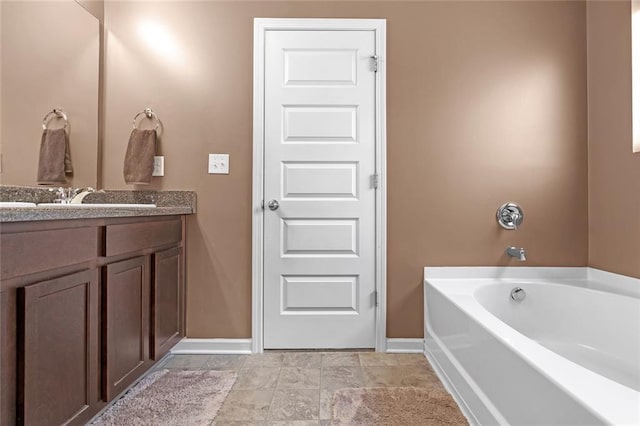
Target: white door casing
[(318, 141)]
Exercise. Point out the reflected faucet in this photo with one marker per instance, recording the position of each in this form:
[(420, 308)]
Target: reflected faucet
[(79, 194), (517, 252)]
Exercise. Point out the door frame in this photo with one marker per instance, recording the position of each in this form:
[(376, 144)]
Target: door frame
[(261, 26)]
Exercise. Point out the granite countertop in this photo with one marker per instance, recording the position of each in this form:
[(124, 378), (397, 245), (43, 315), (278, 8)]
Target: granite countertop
[(27, 214), (167, 202)]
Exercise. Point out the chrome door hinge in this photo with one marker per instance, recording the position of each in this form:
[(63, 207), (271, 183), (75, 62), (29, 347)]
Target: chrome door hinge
[(375, 180), (374, 63), (375, 297), (262, 204)]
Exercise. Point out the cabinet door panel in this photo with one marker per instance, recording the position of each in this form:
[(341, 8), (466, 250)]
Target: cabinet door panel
[(127, 323), (166, 296), (8, 357), (58, 364)]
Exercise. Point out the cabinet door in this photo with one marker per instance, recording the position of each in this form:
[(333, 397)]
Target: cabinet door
[(126, 326), (166, 301), (58, 351)]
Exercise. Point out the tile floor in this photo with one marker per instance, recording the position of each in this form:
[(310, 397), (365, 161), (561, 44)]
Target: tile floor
[(295, 388)]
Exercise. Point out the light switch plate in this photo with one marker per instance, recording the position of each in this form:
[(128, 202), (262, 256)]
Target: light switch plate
[(158, 165), (219, 164)]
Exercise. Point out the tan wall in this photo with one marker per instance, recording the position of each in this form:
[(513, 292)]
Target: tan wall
[(50, 59), (614, 171), (486, 104)]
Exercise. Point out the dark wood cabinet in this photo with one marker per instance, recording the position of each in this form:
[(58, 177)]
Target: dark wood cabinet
[(59, 359), (85, 317), (125, 323), (166, 296)]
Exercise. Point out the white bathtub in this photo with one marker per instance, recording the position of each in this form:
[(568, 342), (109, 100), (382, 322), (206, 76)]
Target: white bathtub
[(568, 354)]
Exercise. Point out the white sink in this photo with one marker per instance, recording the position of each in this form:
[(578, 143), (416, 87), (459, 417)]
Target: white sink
[(97, 206), (16, 204)]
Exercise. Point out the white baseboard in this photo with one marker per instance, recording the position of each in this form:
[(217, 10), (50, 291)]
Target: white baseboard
[(405, 346), (243, 346), (212, 346)]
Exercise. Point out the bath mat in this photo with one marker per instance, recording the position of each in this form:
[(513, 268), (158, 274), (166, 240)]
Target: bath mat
[(171, 397), (395, 406)]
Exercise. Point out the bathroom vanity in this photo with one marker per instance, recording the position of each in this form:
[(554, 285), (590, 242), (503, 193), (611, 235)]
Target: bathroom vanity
[(88, 304)]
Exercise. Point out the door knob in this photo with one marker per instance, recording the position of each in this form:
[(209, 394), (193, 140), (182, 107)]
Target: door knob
[(273, 205)]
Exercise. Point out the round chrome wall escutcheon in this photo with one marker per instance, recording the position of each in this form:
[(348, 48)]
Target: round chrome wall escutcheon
[(510, 215), (518, 294)]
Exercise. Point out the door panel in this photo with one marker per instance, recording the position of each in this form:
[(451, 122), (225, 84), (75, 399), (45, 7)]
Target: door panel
[(319, 245), (315, 237), (317, 66), (309, 123), (316, 180), (319, 294), (166, 296), (127, 323), (59, 358)]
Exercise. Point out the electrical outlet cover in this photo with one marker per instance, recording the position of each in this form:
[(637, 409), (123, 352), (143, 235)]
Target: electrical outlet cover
[(219, 164), (158, 165)]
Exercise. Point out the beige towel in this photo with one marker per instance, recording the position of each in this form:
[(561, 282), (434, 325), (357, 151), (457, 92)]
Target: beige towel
[(55, 157), (138, 161)]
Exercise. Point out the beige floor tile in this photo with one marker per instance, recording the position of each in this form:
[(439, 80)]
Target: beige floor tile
[(191, 362), (377, 359), (302, 359), (225, 362), (326, 396), (264, 360), (257, 378), (295, 404), (399, 376), (299, 378), (333, 378), (236, 423), (294, 423), (246, 405), (340, 359), (412, 359)]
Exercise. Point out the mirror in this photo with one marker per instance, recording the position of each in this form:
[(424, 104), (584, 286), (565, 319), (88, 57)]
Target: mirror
[(50, 58)]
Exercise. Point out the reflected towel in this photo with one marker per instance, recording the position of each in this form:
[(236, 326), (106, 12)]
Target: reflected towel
[(55, 157), (138, 161)]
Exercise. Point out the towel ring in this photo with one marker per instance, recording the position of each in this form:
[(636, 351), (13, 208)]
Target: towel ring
[(57, 112), (148, 112)]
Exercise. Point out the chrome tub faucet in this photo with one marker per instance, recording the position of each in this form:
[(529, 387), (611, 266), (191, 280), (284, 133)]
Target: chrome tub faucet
[(517, 252)]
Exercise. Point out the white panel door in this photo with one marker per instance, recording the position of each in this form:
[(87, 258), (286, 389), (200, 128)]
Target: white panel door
[(319, 144)]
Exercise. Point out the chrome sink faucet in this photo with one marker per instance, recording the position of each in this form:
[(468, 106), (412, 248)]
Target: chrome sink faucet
[(517, 252), (71, 195), (63, 195)]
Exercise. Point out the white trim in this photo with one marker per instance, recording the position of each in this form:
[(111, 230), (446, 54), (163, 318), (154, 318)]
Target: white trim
[(212, 346), (261, 25), (257, 216), (635, 74), (405, 346)]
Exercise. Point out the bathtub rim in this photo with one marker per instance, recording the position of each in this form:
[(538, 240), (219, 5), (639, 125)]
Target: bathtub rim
[(586, 277), (555, 368)]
